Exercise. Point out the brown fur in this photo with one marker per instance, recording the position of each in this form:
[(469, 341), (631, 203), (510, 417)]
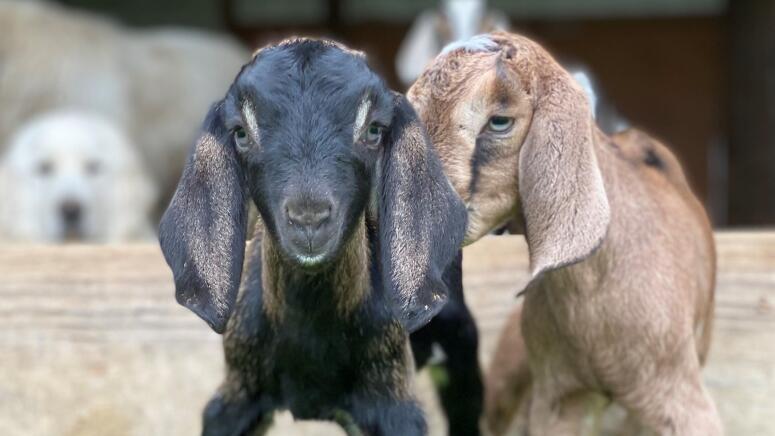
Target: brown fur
[(621, 252)]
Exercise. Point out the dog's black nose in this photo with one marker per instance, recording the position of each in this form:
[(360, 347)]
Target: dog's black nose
[(309, 214), (70, 211)]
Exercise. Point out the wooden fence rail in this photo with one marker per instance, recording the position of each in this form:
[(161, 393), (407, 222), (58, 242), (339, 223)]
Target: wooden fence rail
[(93, 343)]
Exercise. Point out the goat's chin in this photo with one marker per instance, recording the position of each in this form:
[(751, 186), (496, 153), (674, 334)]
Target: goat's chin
[(476, 228), (311, 261)]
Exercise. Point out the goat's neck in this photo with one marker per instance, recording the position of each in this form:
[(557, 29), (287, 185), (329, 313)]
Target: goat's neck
[(343, 285)]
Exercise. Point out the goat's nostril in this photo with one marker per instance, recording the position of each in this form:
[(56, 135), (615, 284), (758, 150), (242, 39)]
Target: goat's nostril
[(70, 211), (322, 214), (309, 214)]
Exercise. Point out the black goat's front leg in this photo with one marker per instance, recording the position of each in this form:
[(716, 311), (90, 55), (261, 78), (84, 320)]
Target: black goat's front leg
[(403, 418), (231, 413), (455, 332)]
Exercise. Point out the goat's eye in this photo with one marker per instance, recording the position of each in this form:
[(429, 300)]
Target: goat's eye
[(241, 139), (500, 124), (373, 135)]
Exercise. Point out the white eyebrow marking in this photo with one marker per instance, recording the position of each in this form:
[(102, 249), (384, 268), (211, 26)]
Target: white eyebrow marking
[(250, 117), (360, 116)]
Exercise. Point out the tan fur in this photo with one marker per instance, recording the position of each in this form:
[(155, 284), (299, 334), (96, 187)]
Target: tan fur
[(507, 382), (508, 379), (621, 251)]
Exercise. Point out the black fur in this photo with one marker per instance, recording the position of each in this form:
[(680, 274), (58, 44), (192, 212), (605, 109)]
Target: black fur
[(193, 229), (304, 353), (454, 331)]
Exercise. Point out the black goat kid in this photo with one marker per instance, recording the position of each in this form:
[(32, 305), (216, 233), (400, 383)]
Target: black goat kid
[(358, 225)]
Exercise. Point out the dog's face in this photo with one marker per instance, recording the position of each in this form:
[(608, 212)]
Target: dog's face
[(307, 122), (65, 174), (314, 138), (515, 135)]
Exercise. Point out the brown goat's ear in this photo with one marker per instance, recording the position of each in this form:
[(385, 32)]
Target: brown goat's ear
[(421, 220), (560, 185), (202, 233)]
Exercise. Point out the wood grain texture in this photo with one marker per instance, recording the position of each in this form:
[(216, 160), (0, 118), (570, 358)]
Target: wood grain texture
[(93, 343)]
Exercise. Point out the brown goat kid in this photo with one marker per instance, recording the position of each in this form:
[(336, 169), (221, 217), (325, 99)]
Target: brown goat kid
[(621, 252), (508, 378)]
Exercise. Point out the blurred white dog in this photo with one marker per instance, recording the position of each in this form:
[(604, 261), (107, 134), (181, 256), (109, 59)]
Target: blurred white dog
[(73, 176), (155, 84)]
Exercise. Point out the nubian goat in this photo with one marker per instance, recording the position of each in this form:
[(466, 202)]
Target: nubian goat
[(357, 227), (508, 377), (622, 257)]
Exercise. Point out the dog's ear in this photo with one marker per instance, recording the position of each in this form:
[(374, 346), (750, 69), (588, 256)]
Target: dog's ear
[(560, 185), (202, 233), (131, 183), (421, 219)]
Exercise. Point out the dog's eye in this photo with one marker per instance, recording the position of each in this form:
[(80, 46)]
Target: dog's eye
[(500, 124), (45, 168), (93, 168), (241, 139), (373, 135)]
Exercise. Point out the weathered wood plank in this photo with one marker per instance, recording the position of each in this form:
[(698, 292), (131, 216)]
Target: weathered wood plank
[(92, 341)]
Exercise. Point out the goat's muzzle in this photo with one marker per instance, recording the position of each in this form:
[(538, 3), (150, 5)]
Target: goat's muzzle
[(310, 229)]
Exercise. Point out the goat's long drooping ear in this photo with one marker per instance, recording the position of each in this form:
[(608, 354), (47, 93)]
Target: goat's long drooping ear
[(202, 233), (561, 188), (421, 219)]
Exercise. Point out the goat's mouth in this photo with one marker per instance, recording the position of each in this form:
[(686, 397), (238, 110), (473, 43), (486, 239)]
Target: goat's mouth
[(310, 253), (310, 261)]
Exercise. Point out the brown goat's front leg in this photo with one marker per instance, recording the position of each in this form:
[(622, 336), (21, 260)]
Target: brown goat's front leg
[(676, 405), (573, 414)]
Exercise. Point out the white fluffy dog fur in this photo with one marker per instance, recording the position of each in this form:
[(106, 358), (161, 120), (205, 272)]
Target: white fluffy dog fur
[(73, 176), (155, 84)]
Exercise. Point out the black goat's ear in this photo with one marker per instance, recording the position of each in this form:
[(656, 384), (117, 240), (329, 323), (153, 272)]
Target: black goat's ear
[(202, 233), (421, 219)]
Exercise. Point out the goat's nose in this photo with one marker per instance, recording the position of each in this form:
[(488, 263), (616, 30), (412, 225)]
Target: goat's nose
[(308, 213), (70, 211)]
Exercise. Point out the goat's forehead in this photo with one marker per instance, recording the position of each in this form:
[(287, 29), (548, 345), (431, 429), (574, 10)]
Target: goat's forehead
[(309, 96), (308, 66), (452, 80), (465, 62)]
